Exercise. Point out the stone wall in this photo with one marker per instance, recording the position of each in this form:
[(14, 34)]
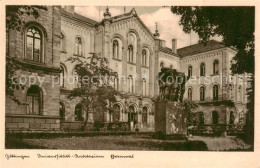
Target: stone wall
[(48, 72), (31, 123)]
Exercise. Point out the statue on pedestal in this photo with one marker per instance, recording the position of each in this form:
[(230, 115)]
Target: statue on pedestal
[(171, 84), (170, 116)]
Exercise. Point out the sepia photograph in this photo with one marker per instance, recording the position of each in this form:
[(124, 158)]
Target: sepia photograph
[(130, 78)]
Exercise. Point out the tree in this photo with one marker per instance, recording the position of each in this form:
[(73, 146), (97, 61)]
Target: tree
[(15, 14), (237, 27), (95, 91), (15, 22)]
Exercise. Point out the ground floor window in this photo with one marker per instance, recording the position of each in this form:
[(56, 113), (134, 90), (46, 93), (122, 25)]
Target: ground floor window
[(116, 113), (231, 118), (132, 115), (78, 113), (215, 117), (201, 118), (34, 100), (62, 111), (144, 115)]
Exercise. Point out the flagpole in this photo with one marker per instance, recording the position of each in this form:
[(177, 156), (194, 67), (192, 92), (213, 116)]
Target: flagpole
[(99, 13)]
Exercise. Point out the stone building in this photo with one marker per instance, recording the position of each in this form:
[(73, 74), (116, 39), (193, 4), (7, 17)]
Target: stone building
[(137, 55), (37, 48), (220, 95), (121, 39)]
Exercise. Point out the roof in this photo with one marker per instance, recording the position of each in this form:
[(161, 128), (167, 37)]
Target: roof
[(124, 14), (168, 51), (131, 14), (115, 18), (199, 48), (79, 17)]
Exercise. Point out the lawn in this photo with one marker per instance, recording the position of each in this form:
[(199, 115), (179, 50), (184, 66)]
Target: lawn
[(229, 143), (127, 142)]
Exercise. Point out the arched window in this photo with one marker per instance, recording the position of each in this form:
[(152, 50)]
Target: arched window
[(215, 92), (201, 118), (241, 118), (131, 109), (189, 71), (144, 86), (216, 67), (34, 100), (116, 113), (130, 54), (62, 76), (130, 84), (78, 113), (202, 69), (231, 117), (115, 49), (144, 116), (190, 93), (239, 92), (34, 44), (144, 57), (116, 86), (132, 115), (78, 46), (202, 93), (171, 66), (231, 92), (215, 117), (63, 42), (62, 111), (76, 81)]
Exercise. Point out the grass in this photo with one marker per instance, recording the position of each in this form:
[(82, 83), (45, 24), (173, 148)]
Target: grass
[(142, 142), (125, 142), (229, 143)]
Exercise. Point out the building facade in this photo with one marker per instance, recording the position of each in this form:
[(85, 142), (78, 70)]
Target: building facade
[(137, 55), (37, 49)]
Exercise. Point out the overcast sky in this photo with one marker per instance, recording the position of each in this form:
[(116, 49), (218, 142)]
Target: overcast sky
[(168, 23)]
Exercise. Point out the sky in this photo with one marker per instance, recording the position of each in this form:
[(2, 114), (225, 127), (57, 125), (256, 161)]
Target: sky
[(168, 23)]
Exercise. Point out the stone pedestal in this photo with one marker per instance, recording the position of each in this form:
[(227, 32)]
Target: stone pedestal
[(170, 118)]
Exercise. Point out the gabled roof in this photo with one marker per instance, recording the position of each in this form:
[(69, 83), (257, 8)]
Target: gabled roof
[(78, 17), (130, 14), (199, 48)]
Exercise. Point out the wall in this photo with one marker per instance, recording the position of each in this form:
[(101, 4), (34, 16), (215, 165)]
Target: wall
[(196, 81), (16, 115)]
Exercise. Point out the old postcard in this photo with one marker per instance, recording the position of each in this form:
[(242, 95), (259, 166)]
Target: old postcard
[(129, 84)]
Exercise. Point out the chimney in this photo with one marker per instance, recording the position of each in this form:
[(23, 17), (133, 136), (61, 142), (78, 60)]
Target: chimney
[(163, 43), (69, 9), (174, 46)]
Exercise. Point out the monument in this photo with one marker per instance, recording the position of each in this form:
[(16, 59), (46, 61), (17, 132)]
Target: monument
[(170, 116)]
